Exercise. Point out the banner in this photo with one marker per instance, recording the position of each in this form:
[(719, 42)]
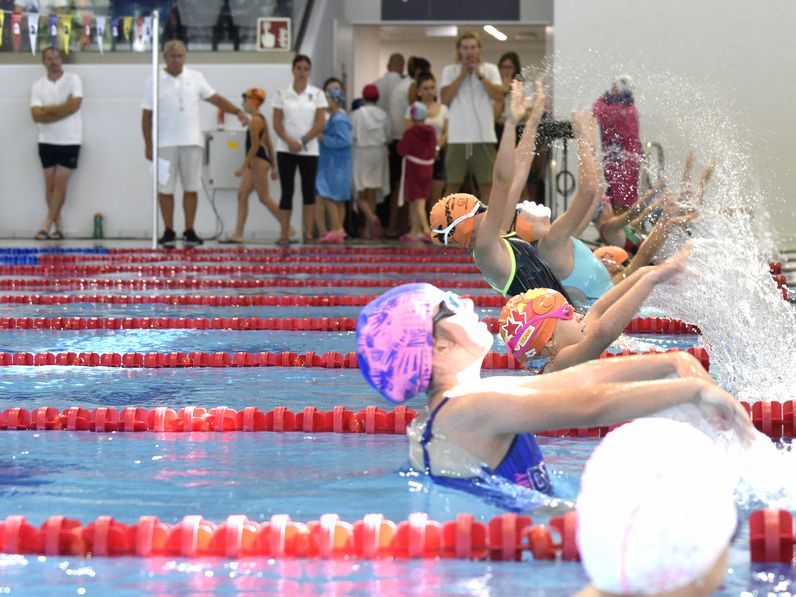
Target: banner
[(114, 31), (54, 31), (86, 31), (100, 33), (66, 29), (2, 22), (16, 19), (127, 27), (33, 30)]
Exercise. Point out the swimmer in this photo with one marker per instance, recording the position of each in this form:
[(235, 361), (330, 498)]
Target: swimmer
[(416, 338), (509, 264), (656, 512), (541, 323)]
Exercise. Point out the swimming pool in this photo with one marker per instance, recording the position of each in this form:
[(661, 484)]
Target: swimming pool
[(84, 475)]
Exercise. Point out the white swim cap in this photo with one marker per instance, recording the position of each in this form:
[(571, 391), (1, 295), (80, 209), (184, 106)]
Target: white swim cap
[(624, 84), (656, 508)]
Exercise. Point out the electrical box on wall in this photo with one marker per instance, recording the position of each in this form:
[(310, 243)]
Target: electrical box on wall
[(224, 153)]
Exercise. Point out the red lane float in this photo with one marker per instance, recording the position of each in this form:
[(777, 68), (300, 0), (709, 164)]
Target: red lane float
[(328, 360), (159, 283), (241, 300), (651, 325), (313, 250), (508, 537), (771, 536), (169, 271), (58, 260)]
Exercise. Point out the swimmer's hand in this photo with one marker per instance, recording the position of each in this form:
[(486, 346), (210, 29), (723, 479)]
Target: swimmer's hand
[(731, 414), (672, 268), (537, 108), (239, 172), (517, 105)]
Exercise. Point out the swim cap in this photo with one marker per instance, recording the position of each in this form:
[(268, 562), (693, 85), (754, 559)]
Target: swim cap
[(255, 93), (624, 84), (616, 254), (522, 226), (528, 320), (451, 219), (656, 508), (394, 339), (418, 112), (370, 93), (337, 94)]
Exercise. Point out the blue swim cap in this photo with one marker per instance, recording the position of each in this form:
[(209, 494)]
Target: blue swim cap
[(394, 340), (418, 111)]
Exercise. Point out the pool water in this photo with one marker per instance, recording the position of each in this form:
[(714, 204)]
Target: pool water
[(84, 475)]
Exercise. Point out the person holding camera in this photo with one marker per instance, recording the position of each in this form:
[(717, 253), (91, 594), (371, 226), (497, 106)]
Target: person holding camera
[(468, 89)]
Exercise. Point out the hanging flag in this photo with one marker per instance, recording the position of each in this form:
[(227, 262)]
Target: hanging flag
[(127, 27), (16, 19), (2, 22), (148, 29), (54, 30), (86, 31), (33, 30), (114, 31), (100, 33), (66, 29)]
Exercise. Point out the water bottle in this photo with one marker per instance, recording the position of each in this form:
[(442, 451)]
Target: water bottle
[(220, 119), (98, 225)]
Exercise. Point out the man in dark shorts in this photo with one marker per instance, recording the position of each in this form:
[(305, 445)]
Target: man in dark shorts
[(55, 105)]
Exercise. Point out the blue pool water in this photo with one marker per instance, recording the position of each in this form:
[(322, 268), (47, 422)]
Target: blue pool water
[(86, 475)]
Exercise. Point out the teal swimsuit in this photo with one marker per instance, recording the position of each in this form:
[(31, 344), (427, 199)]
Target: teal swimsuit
[(589, 277)]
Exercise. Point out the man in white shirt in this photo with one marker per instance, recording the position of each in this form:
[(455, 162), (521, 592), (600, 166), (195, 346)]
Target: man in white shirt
[(55, 105), (468, 88), (180, 142), (386, 83)]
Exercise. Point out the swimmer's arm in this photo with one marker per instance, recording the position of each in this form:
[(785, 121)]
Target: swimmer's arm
[(566, 224), (270, 147), (596, 405), (523, 155)]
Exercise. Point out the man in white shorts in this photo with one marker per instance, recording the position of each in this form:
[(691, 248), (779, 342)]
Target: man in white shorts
[(180, 142)]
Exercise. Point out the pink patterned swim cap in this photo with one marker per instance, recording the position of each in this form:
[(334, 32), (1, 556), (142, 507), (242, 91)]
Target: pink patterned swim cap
[(394, 340)]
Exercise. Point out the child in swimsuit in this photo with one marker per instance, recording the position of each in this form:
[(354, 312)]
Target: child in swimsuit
[(416, 338), (256, 164), (541, 323)]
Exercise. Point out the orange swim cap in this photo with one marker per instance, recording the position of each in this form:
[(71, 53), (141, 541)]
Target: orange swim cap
[(451, 219), (616, 254), (528, 320), (255, 93), (524, 230)]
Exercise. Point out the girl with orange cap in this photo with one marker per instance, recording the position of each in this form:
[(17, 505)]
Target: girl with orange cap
[(541, 323), (256, 164), (510, 264)]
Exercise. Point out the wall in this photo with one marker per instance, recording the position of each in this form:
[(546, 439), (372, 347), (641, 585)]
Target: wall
[(113, 177), (714, 75)]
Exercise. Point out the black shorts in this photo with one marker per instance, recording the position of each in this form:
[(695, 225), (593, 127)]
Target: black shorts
[(439, 166), (58, 155)]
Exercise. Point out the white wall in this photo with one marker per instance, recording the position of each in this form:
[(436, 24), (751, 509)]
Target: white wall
[(715, 74), (113, 176)]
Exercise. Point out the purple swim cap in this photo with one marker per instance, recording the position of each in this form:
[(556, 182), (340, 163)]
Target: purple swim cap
[(394, 339)]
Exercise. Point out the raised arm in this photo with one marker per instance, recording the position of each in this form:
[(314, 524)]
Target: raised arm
[(449, 91), (524, 152), (222, 103)]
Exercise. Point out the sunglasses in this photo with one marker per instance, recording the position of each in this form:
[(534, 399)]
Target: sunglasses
[(443, 233), (448, 307)]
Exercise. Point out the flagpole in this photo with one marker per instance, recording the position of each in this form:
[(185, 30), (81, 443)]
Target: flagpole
[(155, 113)]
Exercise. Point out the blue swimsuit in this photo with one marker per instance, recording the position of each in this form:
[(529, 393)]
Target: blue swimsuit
[(523, 464), (588, 275)]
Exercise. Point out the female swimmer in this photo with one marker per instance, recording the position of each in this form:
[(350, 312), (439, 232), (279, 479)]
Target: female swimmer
[(416, 338), (541, 323)]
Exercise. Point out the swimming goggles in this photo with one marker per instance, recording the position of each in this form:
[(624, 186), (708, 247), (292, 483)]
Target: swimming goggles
[(565, 311), (443, 233), (448, 307)]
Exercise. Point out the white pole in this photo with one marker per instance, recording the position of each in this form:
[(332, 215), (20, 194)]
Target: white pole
[(155, 112)]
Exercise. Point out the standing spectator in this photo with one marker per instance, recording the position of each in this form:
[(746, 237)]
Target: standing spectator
[(617, 116), (509, 68), (468, 88), (399, 103), (386, 83), (370, 133), (55, 105), (418, 148), (333, 182), (180, 143), (256, 164), (437, 116), (298, 120)]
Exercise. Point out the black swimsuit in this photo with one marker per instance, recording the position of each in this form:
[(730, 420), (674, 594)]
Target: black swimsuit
[(261, 153)]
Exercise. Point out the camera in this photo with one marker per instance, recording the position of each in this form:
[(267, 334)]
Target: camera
[(554, 129)]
